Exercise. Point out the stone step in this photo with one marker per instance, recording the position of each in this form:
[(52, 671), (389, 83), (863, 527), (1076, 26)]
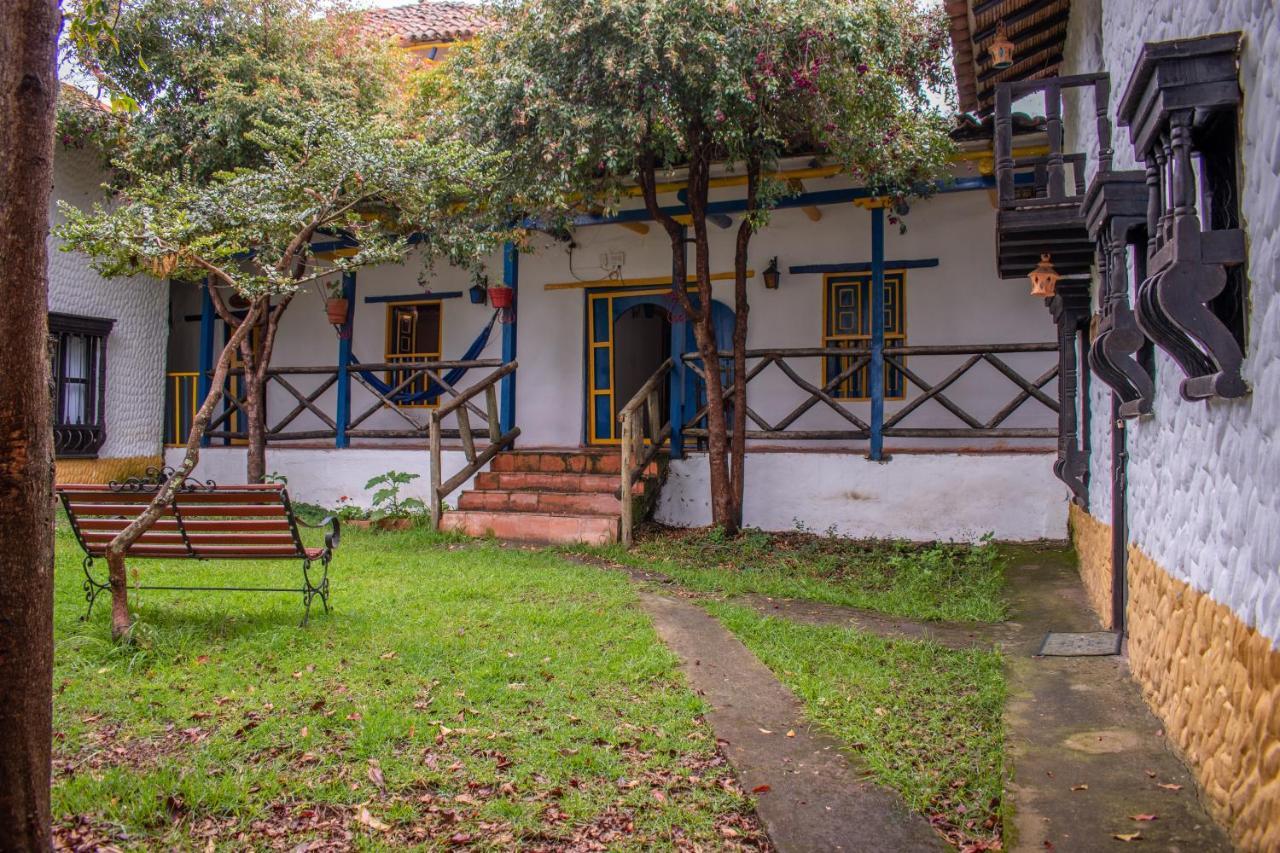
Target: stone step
[(528, 481), (534, 527), (562, 462), (556, 503)]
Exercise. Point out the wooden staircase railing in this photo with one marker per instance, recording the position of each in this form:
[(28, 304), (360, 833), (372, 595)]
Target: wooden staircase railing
[(646, 427), (462, 407)]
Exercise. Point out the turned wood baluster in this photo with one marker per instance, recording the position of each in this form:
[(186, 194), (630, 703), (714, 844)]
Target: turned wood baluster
[(1101, 100), (1153, 204), (1053, 128), (1184, 183), (1004, 145)]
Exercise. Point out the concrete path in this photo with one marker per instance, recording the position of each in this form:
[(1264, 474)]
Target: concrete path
[(1087, 754), (809, 794)]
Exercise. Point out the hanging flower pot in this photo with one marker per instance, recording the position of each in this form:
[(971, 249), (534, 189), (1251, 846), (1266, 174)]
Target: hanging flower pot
[(501, 296), (477, 294), (336, 309)]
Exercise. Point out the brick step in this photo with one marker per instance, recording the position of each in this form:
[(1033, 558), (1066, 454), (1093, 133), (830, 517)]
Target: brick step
[(528, 481), (562, 462), (534, 527), (555, 503)]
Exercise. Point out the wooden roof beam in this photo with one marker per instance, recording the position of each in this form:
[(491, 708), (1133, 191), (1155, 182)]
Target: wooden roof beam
[(1030, 10), (810, 210)]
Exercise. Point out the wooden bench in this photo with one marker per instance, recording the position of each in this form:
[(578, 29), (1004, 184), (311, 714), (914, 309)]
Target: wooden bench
[(204, 521)]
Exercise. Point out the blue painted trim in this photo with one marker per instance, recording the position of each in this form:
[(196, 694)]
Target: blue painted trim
[(863, 266), (876, 367), (203, 379), (341, 440), (676, 386), (511, 278), (413, 297)]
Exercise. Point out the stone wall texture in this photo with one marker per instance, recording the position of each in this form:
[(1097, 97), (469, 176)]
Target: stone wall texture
[(1215, 682), (1204, 477), (136, 347), (1092, 540)]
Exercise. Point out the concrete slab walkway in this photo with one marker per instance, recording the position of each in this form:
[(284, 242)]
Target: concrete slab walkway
[(810, 796)]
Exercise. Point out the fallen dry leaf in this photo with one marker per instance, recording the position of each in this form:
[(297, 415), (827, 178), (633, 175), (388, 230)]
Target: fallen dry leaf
[(1127, 836), (370, 821), (765, 732), (791, 733), (1142, 817), (1169, 786), (761, 789), (388, 656), (1079, 787), (375, 775)]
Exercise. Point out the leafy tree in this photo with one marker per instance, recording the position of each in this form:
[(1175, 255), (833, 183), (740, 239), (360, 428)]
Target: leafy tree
[(249, 232), (588, 96), (208, 88)]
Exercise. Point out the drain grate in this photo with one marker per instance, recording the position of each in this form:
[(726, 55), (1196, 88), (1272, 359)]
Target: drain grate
[(1087, 644)]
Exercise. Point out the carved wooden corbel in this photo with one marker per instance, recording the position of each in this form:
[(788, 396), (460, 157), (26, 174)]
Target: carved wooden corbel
[(1069, 307)]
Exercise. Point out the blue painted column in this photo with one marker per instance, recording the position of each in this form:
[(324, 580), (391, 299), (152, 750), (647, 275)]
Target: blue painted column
[(344, 361), (507, 395), (876, 368), (203, 378)]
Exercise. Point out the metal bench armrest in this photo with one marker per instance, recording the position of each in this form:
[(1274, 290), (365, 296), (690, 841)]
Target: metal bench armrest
[(333, 537)]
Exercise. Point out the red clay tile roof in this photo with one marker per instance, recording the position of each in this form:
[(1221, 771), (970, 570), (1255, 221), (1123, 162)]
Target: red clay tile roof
[(427, 21)]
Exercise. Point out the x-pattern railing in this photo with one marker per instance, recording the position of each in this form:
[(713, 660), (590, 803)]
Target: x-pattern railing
[(233, 404), (896, 359)]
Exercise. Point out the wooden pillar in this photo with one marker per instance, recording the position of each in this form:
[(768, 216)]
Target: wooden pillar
[(511, 278), (875, 369), (203, 377), (345, 334)]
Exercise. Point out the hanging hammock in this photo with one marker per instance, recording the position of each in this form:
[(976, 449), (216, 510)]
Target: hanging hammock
[(434, 389)]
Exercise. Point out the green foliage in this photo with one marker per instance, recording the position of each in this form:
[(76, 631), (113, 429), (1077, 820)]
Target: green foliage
[(201, 76), (927, 720), (579, 92), (938, 581), (455, 672), (387, 502)]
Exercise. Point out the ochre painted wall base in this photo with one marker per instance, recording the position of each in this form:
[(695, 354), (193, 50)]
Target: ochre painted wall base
[(1092, 540), (104, 470)]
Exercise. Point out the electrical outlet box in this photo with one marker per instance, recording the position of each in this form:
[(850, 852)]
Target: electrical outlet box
[(612, 259)]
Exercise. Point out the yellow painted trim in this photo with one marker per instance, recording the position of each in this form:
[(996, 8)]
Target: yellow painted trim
[(636, 282), (102, 471), (872, 203), (835, 278), (389, 356), (638, 227), (828, 171), (346, 252)]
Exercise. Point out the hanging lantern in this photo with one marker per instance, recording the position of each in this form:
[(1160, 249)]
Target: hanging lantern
[(771, 275), (1044, 278), (1001, 48)]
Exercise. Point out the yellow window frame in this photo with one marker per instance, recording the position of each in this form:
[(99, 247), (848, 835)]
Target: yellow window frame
[(896, 338), (392, 377)]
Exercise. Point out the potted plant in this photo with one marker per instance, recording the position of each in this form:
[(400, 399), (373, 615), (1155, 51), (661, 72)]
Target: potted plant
[(501, 296), (336, 305)]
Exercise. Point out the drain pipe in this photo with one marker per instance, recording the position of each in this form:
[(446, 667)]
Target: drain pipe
[(1119, 529)]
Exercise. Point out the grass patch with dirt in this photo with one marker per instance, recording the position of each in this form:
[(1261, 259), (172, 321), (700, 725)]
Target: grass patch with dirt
[(938, 581), (927, 720), (461, 695)]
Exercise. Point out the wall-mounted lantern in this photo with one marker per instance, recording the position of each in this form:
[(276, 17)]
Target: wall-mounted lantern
[(771, 275), (1001, 48), (1044, 278)]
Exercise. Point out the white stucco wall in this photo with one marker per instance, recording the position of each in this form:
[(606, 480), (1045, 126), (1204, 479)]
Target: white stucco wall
[(324, 477), (136, 345), (1204, 477), (919, 497)]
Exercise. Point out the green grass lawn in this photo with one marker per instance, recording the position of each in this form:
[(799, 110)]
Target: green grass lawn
[(457, 695), (926, 719), (933, 582)]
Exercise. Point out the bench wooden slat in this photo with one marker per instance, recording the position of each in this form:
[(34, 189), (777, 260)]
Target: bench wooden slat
[(229, 552), (239, 487), (116, 510), (248, 525), (196, 539), (228, 496)]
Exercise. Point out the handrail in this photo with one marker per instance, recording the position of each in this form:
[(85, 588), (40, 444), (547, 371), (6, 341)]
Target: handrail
[(460, 406), (635, 455)]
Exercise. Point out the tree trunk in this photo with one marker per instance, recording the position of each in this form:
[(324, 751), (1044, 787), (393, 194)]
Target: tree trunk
[(120, 622), (738, 448), (28, 92), (256, 458)]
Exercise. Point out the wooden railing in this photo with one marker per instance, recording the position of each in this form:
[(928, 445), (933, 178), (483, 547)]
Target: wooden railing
[(462, 408), (903, 360), (646, 427), (181, 404), (222, 425), (409, 377)]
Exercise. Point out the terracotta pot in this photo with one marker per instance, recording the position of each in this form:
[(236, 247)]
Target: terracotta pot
[(394, 523), (337, 310), (501, 296), (362, 523)]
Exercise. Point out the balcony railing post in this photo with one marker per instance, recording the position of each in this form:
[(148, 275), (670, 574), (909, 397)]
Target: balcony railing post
[(344, 362), (876, 367), (1057, 188), (1004, 144)]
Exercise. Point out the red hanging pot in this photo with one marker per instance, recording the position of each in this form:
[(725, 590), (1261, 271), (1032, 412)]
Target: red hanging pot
[(336, 309), (501, 296)]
